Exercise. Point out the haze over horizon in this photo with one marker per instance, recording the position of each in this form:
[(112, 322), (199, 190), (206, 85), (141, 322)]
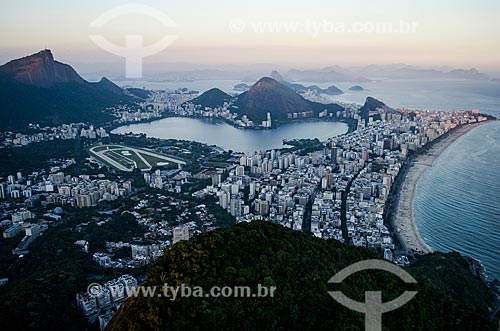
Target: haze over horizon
[(289, 33)]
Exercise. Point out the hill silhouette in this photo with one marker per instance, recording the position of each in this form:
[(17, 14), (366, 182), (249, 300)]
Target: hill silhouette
[(38, 89)]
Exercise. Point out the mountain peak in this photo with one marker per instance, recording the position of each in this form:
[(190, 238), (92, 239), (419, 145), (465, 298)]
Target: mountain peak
[(107, 85), (45, 54), (265, 83), (39, 69), (371, 108), (105, 80), (212, 98), (268, 95), (279, 99), (276, 76)]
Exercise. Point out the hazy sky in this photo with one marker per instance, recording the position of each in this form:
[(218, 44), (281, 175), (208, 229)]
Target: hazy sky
[(462, 33)]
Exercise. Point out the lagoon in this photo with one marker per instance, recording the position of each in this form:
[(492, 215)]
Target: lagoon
[(216, 132)]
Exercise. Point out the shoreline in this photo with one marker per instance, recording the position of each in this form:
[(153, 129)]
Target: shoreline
[(404, 213)]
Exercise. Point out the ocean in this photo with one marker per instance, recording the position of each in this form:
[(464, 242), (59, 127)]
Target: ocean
[(457, 203)]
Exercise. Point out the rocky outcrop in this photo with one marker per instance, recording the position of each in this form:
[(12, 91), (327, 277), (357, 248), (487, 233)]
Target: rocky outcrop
[(40, 70)]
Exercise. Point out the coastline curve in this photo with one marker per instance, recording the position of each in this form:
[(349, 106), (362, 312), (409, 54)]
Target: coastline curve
[(404, 215)]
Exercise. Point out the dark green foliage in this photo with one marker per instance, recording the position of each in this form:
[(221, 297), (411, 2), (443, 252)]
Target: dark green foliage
[(449, 298), (37, 156), (139, 92), (40, 294), (62, 103), (119, 228), (222, 217), (138, 178), (6, 257), (122, 253), (304, 146)]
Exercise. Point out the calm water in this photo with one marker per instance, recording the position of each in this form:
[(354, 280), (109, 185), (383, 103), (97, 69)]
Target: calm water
[(457, 205), (228, 137), (445, 95)]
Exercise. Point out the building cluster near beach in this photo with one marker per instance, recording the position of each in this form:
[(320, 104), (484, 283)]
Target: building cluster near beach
[(341, 191)]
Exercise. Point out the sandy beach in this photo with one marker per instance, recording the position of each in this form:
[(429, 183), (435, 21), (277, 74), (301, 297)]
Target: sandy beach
[(404, 212)]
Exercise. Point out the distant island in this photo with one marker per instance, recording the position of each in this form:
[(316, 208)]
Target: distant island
[(241, 87), (299, 88), (356, 88)]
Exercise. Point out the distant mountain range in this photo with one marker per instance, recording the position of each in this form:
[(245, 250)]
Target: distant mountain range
[(371, 72), (249, 73), (324, 76), (403, 71), (38, 89)]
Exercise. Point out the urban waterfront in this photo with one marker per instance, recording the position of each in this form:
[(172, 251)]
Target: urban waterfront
[(462, 181), (435, 94), (216, 132), (458, 198)]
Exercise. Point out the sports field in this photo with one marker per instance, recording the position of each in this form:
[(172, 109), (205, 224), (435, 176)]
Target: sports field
[(125, 158)]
